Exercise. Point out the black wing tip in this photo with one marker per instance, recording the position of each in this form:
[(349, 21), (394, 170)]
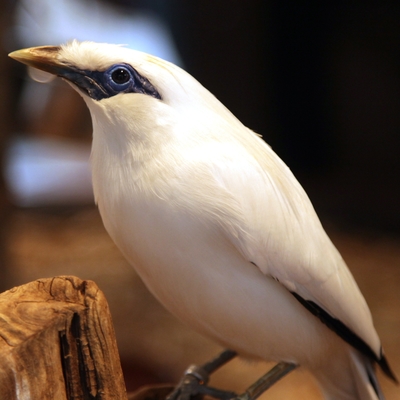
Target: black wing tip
[(385, 367), (347, 335)]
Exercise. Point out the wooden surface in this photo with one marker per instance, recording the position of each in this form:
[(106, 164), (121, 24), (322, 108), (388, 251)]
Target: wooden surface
[(57, 342)]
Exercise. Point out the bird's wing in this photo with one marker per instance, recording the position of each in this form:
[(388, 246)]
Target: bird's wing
[(280, 232)]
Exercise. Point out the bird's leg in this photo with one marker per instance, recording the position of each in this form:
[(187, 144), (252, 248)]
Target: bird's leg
[(266, 381), (193, 384), (194, 381)]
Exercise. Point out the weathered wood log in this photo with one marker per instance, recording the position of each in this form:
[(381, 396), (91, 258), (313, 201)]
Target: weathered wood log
[(57, 342)]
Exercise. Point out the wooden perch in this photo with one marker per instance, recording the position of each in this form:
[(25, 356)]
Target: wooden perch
[(57, 342)]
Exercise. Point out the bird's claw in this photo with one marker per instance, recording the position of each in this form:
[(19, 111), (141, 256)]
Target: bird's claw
[(193, 385), (198, 372)]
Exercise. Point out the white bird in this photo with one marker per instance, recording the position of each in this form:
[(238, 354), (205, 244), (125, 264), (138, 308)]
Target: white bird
[(214, 222)]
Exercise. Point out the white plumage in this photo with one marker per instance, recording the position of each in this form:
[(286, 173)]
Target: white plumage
[(214, 222)]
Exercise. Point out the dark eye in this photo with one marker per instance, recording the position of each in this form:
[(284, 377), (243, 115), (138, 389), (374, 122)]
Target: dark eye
[(120, 76)]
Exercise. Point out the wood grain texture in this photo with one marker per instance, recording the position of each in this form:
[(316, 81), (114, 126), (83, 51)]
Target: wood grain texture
[(57, 342)]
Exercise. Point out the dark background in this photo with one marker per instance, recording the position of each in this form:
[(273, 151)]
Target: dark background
[(320, 81)]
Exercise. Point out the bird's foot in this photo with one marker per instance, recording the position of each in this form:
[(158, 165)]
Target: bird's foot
[(193, 384)]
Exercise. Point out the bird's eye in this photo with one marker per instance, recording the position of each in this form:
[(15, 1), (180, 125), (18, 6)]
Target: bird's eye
[(120, 76)]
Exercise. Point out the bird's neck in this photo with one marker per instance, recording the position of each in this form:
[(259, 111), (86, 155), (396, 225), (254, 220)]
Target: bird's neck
[(127, 147)]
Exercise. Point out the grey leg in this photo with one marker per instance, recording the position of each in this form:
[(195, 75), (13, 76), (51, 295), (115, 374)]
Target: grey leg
[(266, 381)]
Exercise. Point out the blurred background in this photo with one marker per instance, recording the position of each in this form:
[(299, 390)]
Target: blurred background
[(320, 81)]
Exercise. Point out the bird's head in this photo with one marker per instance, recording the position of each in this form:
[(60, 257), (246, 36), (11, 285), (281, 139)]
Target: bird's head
[(133, 97), (101, 71)]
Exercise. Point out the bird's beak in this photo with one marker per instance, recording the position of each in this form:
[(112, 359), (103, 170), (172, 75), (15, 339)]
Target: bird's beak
[(46, 58), (43, 58)]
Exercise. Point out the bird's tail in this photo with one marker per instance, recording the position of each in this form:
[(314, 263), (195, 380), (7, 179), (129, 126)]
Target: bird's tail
[(358, 382)]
